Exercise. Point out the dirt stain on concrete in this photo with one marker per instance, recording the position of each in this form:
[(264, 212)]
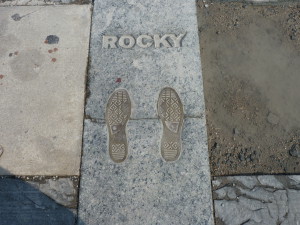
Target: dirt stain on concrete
[(3, 23), (51, 39), (16, 17), (7, 41), (44, 144), (26, 65), (251, 83)]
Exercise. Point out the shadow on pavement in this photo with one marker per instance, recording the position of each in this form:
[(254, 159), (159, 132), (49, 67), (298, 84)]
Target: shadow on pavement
[(23, 204)]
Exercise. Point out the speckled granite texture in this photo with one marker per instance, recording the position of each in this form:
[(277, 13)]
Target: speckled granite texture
[(145, 71), (145, 189)]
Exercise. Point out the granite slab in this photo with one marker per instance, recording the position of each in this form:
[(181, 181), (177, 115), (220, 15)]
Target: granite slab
[(145, 189), (144, 46), (145, 70), (43, 55)]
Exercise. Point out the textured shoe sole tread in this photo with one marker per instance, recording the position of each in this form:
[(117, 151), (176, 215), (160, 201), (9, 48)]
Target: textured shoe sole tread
[(118, 112), (170, 111)]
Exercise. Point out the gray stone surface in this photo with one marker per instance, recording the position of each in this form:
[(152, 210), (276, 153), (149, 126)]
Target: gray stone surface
[(62, 190), (42, 88), (23, 204), (145, 189), (145, 71), (262, 200)]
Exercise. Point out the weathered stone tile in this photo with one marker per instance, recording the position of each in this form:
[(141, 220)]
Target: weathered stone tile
[(43, 56), (261, 199), (144, 189)]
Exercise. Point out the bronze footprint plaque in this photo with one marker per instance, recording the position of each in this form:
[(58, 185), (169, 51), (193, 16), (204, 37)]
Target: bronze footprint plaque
[(170, 111), (118, 112)]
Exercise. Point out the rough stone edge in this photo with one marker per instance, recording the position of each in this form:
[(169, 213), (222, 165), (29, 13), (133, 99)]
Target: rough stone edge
[(219, 182), (32, 180)]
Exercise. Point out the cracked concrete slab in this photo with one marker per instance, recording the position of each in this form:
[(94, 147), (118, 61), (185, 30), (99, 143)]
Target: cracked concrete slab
[(43, 56), (264, 199)]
